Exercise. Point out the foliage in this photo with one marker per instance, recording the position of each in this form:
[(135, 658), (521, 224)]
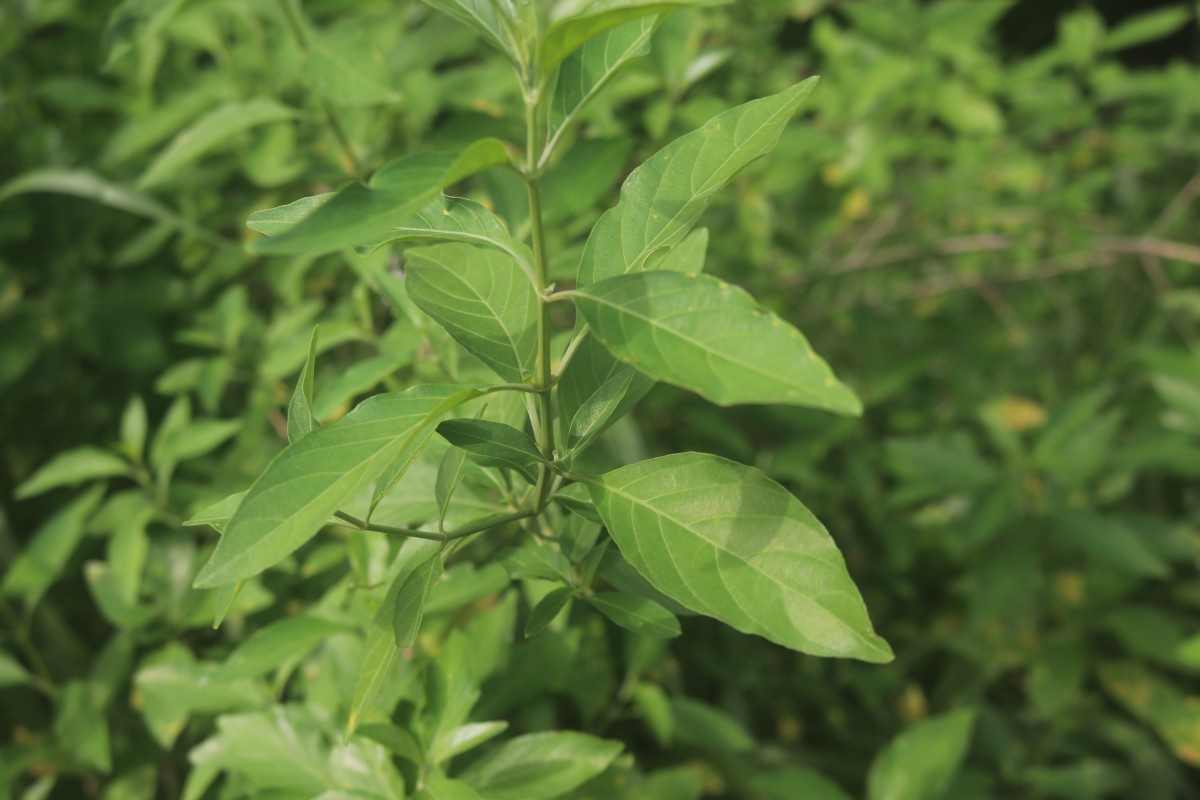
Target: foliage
[(454, 582)]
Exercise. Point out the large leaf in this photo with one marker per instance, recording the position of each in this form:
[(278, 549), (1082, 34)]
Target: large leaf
[(209, 132), (74, 467), (482, 298), (454, 219), (310, 479), (588, 70), (540, 766), (595, 390), (567, 35), (702, 334), (920, 763), (662, 199), (494, 444), (359, 215), (724, 540)]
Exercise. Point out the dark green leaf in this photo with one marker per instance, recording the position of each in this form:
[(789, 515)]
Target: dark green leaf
[(637, 614), (494, 444), (546, 610)]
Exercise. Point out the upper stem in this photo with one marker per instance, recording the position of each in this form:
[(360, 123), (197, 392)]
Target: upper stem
[(544, 378)]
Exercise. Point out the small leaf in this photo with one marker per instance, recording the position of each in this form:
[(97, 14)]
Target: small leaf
[(449, 476), (410, 600), (359, 215), (574, 497), (637, 614), (218, 514), (652, 705), (495, 22), (547, 610), (209, 132), (133, 428), (1108, 541), (312, 478), (72, 468), (300, 418), (662, 199), (494, 444), (724, 540), (1147, 27), (464, 738), (711, 338), (193, 439), (270, 647), (920, 763), (483, 299), (701, 725), (12, 673), (1173, 715), (595, 391), (540, 766)]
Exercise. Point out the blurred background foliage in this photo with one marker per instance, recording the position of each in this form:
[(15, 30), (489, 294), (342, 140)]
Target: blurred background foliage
[(986, 219)]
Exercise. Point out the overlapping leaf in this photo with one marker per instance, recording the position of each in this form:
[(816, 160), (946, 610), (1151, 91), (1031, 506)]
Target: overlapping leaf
[(310, 479)]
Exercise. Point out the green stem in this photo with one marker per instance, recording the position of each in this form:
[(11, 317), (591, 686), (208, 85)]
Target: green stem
[(544, 379), (467, 530)]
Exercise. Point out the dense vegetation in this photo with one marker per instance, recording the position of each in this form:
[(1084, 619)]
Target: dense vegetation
[(982, 217)]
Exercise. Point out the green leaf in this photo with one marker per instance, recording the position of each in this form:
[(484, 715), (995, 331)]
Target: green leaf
[(651, 703), (449, 476), (1108, 541), (454, 219), (359, 215), (482, 299), (1173, 715), (211, 131), (310, 479), (704, 335), (410, 600), (300, 418), (43, 559), (495, 22), (494, 444), (920, 763), (700, 725), (595, 391), (662, 199), (688, 256), (380, 651), (356, 380), (72, 468), (193, 439), (575, 498), (81, 726), (218, 514), (1147, 27), (268, 648), (789, 782), (540, 766), (90, 186), (133, 428), (724, 540), (12, 673), (588, 70), (347, 71), (637, 614), (465, 737), (567, 35), (546, 610)]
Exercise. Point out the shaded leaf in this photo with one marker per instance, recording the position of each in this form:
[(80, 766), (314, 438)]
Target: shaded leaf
[(920, 763), (494, 444), (637, 614)]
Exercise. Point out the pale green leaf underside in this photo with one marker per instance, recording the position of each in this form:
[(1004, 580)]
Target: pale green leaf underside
[(586, 71), (724, 540), (357, 215), (455, 219), (704, 335), (211, 131), (567, 35), (662, 199), (310, 479), (482, 299)]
